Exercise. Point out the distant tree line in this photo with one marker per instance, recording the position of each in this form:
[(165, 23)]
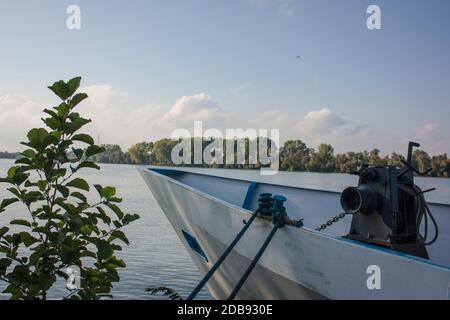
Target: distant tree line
[(295, 155), (9, 155)]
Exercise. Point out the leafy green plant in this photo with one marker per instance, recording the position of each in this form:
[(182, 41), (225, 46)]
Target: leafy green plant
[(60, 227), (164, 291)]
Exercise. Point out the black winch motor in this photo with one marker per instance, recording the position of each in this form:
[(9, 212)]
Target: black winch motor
[(388, 208)]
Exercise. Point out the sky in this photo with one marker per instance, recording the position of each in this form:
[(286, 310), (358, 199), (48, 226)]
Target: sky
[(310, 68)]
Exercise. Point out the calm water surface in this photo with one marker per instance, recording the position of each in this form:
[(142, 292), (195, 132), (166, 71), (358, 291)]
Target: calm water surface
[(156, 257)]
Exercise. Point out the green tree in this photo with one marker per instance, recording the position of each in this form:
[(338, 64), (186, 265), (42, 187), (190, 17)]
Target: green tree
[(60, 227), (142, 153), (112, 154), (162, 152), (421, 160), (8, 155), (396, 160), (294, 156), (375, 159), (323, 159), (441, 166)]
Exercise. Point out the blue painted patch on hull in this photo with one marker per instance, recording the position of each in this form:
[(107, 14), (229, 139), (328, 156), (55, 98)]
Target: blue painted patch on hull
[(195, 246)]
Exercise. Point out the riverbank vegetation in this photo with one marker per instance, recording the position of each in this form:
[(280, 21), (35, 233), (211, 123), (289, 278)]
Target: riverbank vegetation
[(8, 155), (295, 155)]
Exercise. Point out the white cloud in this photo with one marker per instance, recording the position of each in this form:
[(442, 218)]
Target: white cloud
[(427, 129), (325, 126), (321, 121), (186, 110), (118, 121), (103, 96), (17, 116)]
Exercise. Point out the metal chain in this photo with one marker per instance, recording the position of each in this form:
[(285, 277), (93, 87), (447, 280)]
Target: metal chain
[(330, 222)]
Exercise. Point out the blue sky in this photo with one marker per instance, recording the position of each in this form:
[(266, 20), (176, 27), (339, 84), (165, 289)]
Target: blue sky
[(153, 66)]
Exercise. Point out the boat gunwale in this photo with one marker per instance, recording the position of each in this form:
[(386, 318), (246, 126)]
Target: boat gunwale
[(180, 170)]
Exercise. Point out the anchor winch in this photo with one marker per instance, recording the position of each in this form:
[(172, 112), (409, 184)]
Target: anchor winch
[(388, 208)]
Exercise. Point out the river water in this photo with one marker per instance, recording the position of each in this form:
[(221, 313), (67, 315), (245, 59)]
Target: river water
[(156, 257)]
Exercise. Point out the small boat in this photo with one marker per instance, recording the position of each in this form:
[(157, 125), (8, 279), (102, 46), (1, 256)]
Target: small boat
[(207, 208)]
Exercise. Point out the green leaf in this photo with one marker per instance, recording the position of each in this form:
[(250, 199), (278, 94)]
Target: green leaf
[(52, 123), (115, 200), (35, 256), (108, 192), (56, 135), (77, 99), (3, 231), (116, 210), (74, 84), (42, 184), (6, 180), (104, 249), (67, 255), (116, 262), (63, 110), (130, 218), (86, 230), (51, 113), (76, 123), (63, 145), (99, 189), (103, 216), (20, 178), (45, 281), (21, 222), (39, 138), (25, 161), (51, 139), (32, 196), (65, 90), (117, 234), (79, 184), (86, 253), (29, 153), (37, 134), (79, 195), (76, 223), (68, 207), (84, 138), (12, 171), (88, 164), (15, 192), (105, 192), (172, 294), (27, 239), (78, 153), (4, 264), (7, 202), (93, 150), (63, 190)]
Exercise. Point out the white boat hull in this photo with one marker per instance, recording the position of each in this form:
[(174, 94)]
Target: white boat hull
[(298, 264)]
